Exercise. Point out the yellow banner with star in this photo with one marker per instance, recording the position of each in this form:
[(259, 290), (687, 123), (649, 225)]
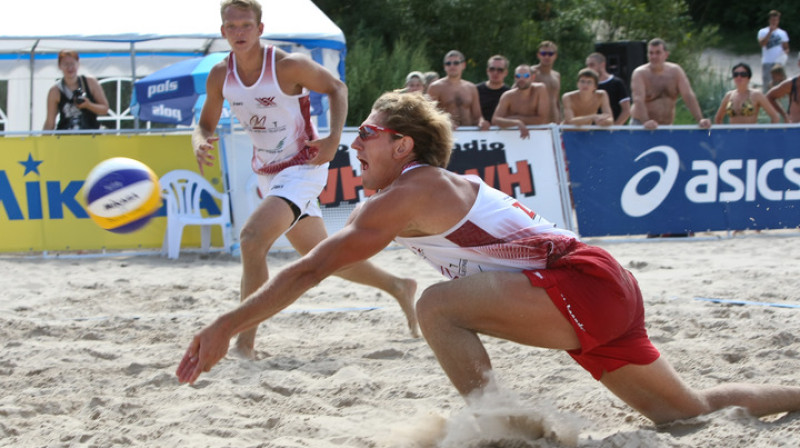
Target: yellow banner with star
[(42, 205)]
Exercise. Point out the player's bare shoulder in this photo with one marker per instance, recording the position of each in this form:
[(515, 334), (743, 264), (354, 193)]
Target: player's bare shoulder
[(436, 88), (674, 69), (291, 61), (217, 74), (642, 70)]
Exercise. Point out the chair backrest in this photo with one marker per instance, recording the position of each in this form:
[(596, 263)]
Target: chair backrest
[(181, 189)]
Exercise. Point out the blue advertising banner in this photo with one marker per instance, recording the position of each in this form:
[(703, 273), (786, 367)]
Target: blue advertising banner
[(682, 180)]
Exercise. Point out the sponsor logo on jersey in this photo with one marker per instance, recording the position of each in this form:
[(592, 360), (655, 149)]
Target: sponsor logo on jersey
[(276, 127), (275, 150), (258, 123), (266, 101)]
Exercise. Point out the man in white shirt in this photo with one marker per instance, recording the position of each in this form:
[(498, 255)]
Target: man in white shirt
[(774, 47)]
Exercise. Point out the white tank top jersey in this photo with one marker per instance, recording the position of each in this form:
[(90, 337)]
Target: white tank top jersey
[(278, 124), (498, 234)]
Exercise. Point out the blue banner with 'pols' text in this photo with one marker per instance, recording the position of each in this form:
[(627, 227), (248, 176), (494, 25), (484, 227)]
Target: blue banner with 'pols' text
[(683, 180)]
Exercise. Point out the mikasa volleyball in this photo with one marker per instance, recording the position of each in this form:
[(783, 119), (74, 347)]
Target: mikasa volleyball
[(122, 194)]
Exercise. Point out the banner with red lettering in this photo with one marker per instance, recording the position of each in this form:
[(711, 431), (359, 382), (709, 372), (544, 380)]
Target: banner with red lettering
[(526, 169)]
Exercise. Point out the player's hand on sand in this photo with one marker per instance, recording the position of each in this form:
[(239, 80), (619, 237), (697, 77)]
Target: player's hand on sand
[(206, 349), (326, 150), (202, 148)]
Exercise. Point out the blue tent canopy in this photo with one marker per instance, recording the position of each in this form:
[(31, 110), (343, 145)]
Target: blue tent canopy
[(171, 94)]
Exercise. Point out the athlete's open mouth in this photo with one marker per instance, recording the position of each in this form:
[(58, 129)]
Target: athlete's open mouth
[(364, 165)]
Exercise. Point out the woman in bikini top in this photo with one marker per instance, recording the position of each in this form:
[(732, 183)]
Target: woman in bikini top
[(741, 105)]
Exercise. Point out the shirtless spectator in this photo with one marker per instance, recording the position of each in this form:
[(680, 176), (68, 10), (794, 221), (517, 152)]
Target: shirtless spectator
[(544, 73), (788, 87), (618, 96), (581, 106), (656, 86), (457, 96), (527, 103)]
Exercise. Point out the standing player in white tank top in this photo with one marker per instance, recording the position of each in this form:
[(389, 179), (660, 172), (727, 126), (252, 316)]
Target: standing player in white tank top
[(291, 190)]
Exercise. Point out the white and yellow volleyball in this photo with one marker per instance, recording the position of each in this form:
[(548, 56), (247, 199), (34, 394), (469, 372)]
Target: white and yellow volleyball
[(122, 194)]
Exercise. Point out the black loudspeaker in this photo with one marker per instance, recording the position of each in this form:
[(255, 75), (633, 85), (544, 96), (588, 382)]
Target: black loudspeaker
[(623, 57)]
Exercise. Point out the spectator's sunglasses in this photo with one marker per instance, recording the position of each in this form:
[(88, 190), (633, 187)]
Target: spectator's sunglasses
[(547, 53), (370, 131)]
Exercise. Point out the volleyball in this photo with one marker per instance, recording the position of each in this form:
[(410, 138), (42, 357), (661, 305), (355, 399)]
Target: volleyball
[(121, 194)]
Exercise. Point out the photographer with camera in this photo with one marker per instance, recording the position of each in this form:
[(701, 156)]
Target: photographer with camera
[(78, 100)]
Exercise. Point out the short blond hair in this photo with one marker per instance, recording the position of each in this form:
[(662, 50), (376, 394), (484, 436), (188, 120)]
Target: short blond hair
[(252, 5), (68, 53), (417, 116)]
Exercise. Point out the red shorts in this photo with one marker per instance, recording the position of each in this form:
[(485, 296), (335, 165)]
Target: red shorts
[(602, 301)]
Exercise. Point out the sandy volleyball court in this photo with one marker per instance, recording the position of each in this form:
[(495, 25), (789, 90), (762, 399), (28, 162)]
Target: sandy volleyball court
[(90, 346)]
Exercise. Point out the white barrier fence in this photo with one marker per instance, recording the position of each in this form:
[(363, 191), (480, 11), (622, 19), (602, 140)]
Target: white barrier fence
[(531, 170)]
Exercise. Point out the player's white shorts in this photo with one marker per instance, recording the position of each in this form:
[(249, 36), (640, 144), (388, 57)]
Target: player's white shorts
[(300, 184)]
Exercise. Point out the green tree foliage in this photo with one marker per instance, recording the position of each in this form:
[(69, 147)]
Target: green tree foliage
[(373, 70), (383, 34)]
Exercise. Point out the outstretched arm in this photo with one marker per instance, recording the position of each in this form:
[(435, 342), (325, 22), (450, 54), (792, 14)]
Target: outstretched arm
[(373, 228)]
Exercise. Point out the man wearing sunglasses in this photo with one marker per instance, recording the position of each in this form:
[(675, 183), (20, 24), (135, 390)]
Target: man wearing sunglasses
[(490, 91), (458, 97), (511, 274), (268, 92), (526, 104), (547, 55), (656, 86)]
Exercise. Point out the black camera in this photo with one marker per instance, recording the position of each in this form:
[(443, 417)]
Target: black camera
[(77, 96)]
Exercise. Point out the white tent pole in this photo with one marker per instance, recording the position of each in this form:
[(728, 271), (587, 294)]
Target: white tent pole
[(133, 81), (30, 83)]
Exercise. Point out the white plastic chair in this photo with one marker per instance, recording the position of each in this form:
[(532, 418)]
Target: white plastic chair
[(181, 190)]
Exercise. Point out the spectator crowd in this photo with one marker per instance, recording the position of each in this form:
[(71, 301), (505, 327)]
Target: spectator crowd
[(603, 98)]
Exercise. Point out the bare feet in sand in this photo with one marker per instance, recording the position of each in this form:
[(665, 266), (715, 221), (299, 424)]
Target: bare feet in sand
[(244, 347)]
